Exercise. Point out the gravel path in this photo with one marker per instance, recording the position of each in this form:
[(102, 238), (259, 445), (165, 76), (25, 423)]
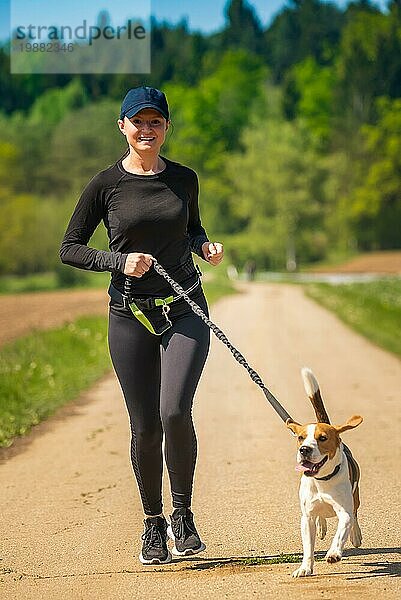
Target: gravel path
[(71, 518)]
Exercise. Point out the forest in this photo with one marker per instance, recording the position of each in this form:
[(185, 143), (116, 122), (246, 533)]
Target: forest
[(294, 131)]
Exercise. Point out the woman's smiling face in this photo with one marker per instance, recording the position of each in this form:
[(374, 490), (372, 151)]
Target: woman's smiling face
[(145, 131)]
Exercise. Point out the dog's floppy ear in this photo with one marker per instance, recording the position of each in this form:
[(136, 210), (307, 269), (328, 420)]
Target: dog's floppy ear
[(351, 423), (295, 427)]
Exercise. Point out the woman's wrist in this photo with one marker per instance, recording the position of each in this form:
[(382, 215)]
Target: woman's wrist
[(123, 262)]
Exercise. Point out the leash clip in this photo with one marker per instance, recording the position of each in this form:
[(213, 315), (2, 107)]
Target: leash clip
[(165, 311)]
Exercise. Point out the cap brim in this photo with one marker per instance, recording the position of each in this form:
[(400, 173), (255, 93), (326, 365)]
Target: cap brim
[(138, 107)]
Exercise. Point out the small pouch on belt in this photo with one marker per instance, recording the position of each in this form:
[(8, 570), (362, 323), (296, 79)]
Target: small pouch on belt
[(151, 312), (155, 320)]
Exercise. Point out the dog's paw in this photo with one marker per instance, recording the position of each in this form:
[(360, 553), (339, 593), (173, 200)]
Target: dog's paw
[(303, 572), (333, 557)]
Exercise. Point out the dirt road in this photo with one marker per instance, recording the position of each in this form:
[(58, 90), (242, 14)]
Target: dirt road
[(71, 518), (384, 262)]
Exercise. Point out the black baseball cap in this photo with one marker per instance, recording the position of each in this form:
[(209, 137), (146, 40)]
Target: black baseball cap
[(144, 97)]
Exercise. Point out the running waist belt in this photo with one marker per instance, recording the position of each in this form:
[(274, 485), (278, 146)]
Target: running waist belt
[(155, 321)]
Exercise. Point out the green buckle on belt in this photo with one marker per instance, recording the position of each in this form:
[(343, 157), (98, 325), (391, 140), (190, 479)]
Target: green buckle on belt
[(161, 301), (164, 303)]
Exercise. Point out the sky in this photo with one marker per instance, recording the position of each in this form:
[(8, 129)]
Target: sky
[(204, 15)]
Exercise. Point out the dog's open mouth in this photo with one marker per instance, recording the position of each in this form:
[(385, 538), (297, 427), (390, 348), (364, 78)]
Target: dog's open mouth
[(310, 469)]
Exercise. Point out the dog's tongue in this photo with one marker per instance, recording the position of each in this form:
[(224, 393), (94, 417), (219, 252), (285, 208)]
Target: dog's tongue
[(301, 468)]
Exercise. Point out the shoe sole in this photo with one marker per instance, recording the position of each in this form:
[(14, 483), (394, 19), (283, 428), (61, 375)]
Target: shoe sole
[(188, 551), (156, 561)]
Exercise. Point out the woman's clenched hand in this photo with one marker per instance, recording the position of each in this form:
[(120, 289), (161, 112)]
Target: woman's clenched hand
[(213, 252), (137, 264)]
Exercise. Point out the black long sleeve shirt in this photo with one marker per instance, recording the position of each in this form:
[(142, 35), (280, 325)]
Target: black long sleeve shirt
[(155, 214)]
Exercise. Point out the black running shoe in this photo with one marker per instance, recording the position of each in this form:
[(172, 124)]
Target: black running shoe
[(154, 548), (183, 531)]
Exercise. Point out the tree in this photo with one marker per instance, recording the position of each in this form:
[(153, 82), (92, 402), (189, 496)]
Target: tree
[(53, 105), (301, 29), (31, 233), (368, 65), (308, 94), (375, 205), (84, 142), (243, 28), (208, 120), (277, 195), (10, 168)]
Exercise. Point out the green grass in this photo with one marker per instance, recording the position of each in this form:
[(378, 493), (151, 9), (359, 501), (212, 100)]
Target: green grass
[(215, 282), (271, 560), (373, 309), (15, 284), (250, 561), (42, 371)]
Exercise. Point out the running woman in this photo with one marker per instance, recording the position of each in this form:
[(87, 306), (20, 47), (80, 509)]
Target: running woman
[(158, 346)]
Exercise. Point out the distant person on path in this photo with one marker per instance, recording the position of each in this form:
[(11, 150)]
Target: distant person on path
[(250, 269), (149, 205)]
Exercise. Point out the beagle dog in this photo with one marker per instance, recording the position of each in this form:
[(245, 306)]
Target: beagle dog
[(329, 483)]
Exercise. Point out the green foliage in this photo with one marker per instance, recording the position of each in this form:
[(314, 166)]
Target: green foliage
[(10, 167), (31, 135), (309, 167), (337, 187), (243, 28), (54, 104), (215, 193), (31, 233), (67, 277), (375, 206), (369, 63), (302, 29), (277, 194), (309, 95), (87, 140), (177, 54), (208, 119), (20, 173)]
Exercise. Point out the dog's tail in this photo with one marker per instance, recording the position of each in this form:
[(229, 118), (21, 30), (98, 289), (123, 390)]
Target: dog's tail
[(312, 389)]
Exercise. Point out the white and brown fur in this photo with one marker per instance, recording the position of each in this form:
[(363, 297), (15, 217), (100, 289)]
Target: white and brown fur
[(320, 448)]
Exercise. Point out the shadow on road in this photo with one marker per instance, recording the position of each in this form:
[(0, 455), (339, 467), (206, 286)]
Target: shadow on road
[(380, 567)]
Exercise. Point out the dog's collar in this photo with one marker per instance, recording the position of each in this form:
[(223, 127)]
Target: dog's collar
[(331, 474)]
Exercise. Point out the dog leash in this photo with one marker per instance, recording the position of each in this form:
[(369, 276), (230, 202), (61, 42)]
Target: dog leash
[(280, 410)]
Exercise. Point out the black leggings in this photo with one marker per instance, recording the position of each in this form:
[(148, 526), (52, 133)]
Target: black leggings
[(158, 376)]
